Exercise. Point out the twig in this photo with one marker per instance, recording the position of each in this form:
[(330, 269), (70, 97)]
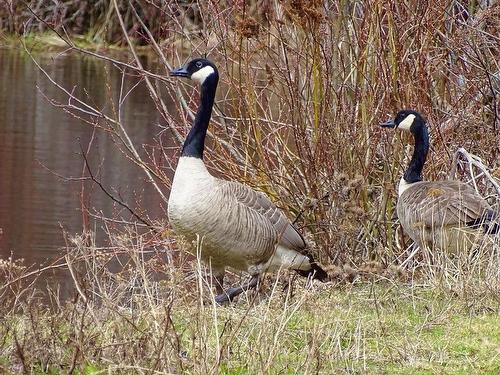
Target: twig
[(475, 161), (77, 286), (91, 111), (113, 198), (33, 273)]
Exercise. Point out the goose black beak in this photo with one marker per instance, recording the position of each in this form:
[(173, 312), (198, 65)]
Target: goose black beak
[(180, 72), (388, 124)]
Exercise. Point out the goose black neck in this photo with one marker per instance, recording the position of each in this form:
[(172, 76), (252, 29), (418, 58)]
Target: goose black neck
[(421, 136), (195, 140)]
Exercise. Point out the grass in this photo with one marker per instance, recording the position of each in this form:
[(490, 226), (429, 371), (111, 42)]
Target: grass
[(50, 42), (362, 328), (126, 322)]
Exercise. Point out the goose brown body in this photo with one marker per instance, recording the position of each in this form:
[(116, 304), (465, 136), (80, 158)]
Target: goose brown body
[(438, 214), (237, 226)]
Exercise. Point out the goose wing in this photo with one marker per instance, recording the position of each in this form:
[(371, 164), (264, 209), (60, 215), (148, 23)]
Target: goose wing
[(264, 214), (447, 203)]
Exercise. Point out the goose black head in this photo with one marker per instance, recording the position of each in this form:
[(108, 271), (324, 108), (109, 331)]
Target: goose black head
[(198, 70), (407, 119)]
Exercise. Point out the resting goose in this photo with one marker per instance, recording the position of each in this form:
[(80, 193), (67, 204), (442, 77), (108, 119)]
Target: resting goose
[(238, 227), (437, 214)]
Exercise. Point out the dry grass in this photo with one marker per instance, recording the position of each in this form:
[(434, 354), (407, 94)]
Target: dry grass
[(150, 316)]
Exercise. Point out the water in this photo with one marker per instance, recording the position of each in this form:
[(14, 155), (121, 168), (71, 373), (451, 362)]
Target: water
[(39, 143)]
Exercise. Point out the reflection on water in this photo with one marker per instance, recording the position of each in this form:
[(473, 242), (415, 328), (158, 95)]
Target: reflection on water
[(39, 141)]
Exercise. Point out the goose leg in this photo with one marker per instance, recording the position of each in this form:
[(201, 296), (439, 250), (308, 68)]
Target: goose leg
[(231, 293), (218, 282)]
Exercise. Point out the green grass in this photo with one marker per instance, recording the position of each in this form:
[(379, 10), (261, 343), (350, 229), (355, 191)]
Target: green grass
[(50, 42), (364, 328)]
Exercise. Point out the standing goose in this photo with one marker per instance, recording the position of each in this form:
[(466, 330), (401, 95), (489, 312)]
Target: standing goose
[(437, 214), (237, 226)]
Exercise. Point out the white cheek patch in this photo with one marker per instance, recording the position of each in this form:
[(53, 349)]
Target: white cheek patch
[(202, 74), (406, 123)]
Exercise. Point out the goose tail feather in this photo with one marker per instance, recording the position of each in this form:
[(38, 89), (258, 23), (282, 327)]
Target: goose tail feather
[(315, 272), (489, 221)]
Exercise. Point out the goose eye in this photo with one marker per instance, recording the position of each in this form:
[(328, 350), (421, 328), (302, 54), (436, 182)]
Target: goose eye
[(199, 64)]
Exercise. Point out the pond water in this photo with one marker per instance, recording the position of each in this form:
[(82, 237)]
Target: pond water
[(40, 144)]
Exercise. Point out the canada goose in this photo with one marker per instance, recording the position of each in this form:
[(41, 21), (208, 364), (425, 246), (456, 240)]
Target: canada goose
[(437, 214), (237, 226)]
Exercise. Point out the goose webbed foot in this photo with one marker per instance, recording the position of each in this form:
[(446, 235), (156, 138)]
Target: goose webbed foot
[(230, 294)]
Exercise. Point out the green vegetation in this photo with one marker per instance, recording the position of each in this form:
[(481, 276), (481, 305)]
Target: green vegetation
[(361, 328), (127, 322), (49, 41)]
